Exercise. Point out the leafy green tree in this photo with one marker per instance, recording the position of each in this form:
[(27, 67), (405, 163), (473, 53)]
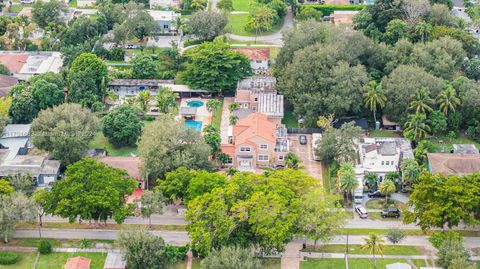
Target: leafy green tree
[(211, 134), (448, 100), (371, 178), (396, 29), (260, 19), (338, 144), (142, 249), (421, 101), (47, 94), (175, 184), (144, 67), (87, 79), (307, 12), (65, 131), (410, 171), (152, 202), (280, 8), (438, 238), (5, 187), (22, 183), (91, 190), (225, 5), (437, 122), (395, 235), (167, 144), (373, 97), (167, 100), (416, 127), (206, 25), (48, 13), (318, 221), (387, 187), (4, 70), (451, 251), (214, 67), (423, 30), (374, 245), (15, 208), (201, 183), (213, 104), (292, 161), (143, 100), (122, 126), (440, 15), (231, 258), (348, 181), (24, 107)]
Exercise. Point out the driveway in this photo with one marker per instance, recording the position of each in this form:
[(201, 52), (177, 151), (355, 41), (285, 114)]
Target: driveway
[(163, 41), (312, 167)]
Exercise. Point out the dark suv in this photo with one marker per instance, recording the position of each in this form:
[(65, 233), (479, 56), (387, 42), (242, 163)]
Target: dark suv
[(391, 213), (376, 194)]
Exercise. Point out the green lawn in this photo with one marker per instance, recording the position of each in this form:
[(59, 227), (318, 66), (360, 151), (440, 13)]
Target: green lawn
[(289, 119), (100, 141), (16, 8), (356, 249), (447, 143), (353, 263), (237, 42), (383, 133), (243, 5), (58, 259), (72, 3), (25, 261), (270, 263), (66, 243), (217, 116), (236, 25), (378, 204)]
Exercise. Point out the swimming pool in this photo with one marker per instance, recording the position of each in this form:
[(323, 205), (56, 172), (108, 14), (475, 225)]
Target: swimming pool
[(195, 125), (195, 103)]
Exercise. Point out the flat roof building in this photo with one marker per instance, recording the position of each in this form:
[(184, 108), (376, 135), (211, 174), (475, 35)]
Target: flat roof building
[(25, 64)]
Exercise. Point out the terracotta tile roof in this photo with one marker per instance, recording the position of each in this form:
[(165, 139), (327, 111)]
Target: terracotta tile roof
[(255, 124), (453, 164), (242, 96), (7, 82), (130, 164), (262, 54), (228, 149), (78, 263), (14, 62)]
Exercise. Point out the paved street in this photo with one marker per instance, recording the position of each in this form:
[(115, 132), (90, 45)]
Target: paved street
[(313, 168)]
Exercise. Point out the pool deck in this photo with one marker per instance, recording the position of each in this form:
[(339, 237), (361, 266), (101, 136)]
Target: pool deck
[(203, 114)]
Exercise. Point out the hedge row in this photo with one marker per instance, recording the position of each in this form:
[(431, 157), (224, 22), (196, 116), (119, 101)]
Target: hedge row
[(7, 258), (328, 9)]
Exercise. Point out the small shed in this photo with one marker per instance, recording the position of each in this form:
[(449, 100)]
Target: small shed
[(78, 262), (389, 125), (399, 265)]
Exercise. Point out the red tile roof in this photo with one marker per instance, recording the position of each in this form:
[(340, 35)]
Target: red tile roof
[(130, 164), (14, 62), (255, 124), (255, 54), (7, 82), (78, 263)]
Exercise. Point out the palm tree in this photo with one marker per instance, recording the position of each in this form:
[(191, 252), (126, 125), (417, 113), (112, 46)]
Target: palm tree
[(421, 101), (416, 127), (326, 122), (233, 119), (374, 244), (373, 97), (292, 161), (410, 171), (143, 99), (448, 100), (423, 29), (387, 187), (371, 178), (167, 100), (213, 104), (347, 179), (198, 4)]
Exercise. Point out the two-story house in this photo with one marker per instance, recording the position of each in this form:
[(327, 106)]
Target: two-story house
[(257, 142), (258, 57)]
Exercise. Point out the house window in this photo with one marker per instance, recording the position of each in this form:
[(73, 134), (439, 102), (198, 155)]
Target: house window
[(165, 26), (264, 146), (280, 158), (244, 149), (383, 163), (387, 162), (258, 61), (263, 157), (256, 99)]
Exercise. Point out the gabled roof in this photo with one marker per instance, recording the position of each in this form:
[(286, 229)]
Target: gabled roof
[(7, 82), (453, 164), (255, 124), (130, 164), (255, 54)]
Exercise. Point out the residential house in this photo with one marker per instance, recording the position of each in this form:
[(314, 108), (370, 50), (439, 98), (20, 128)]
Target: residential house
[(129, 164), (166, 19), (78, 262), (257, 142), (14, 158), (6, 83), (383, 154), (25, 64), (164, 3), (343, 17), (258, 57), (258, 94), (453, 164), (465, 149)]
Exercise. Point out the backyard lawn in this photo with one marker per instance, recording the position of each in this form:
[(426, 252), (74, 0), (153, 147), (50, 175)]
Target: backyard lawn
[(289, 119), (25, 261), (236, 25), (243, 5), (217, 115), (353, 263), (445, 143), (378, 204), (16, 8), (100, 142), (356, 249)]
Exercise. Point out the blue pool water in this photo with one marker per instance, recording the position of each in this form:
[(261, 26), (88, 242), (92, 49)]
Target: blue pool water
[(195, 103), (195, 125)]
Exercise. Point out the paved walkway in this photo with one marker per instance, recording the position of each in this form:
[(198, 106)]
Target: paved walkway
[(225, 119), (291, 257)]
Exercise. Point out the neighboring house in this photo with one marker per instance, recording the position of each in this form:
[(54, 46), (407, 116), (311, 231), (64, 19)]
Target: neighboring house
[(383, 154), (258, 94), (78, 262), (166, 19), (6, 83), (343, 17), (257, 142), (85, 3), (465, 149), (258, 58), (389, 125), (14, 147), (453, 164), (163, 3), (25, 64), (129, 164)]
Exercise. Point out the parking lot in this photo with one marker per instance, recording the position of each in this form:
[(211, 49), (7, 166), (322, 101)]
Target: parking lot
[(314, 168)]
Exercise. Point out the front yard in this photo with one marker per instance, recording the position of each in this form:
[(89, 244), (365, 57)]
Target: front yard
[(243, 5), (356, 249), (353, 263), (236, 25), (55, 260)]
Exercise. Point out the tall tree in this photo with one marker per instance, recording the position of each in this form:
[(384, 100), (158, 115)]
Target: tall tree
[(211, 134), (416, 127), (421, 101), (144, 67), (348, 181), (225, 5), (448, 100), (423, 30), (371, 179), (47, 94), (206, 25), (387, 187), (410, 171), (213, 104), (24, 107), (15, 207), (122, 126), (373, 97), (48, 13), (374, 244), (141, 249), (151, 203), (231, 258), (167, 100), (143, 100), (260, 19)]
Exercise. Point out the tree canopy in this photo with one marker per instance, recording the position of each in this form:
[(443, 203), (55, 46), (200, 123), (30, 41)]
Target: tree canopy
[(122, 126)]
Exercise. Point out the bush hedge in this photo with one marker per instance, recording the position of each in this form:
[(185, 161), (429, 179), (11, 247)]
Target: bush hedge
[(45, 247), (7, 258), (328, 9)]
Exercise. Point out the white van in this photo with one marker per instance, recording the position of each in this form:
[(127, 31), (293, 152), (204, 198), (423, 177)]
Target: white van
[(358, 197)]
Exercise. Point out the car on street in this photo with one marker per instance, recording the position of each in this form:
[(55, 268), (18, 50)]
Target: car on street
[(362, 212), (390, 213), (303, 139), (376, 194)]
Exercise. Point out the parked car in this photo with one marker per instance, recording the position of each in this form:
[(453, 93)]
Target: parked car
[(358, 197), (362, 212), (376, 194), (130, 46), (391, 213), (303, 139)]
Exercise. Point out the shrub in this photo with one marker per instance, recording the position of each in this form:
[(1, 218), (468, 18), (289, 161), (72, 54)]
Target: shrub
[(174, 253), (45, 247), (7, 258), (328, 9), (438, 238)]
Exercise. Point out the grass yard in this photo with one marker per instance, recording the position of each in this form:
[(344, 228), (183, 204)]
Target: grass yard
[(353, 263), (16, 8), (100, 141), (57, 260), (378, 204), (383, 133), (66, 243), (356, 249), (25, 261), (243, 5), (271, 263), (447, 145), (217, 116), (289, 119), (236, 25), (238, 42)]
